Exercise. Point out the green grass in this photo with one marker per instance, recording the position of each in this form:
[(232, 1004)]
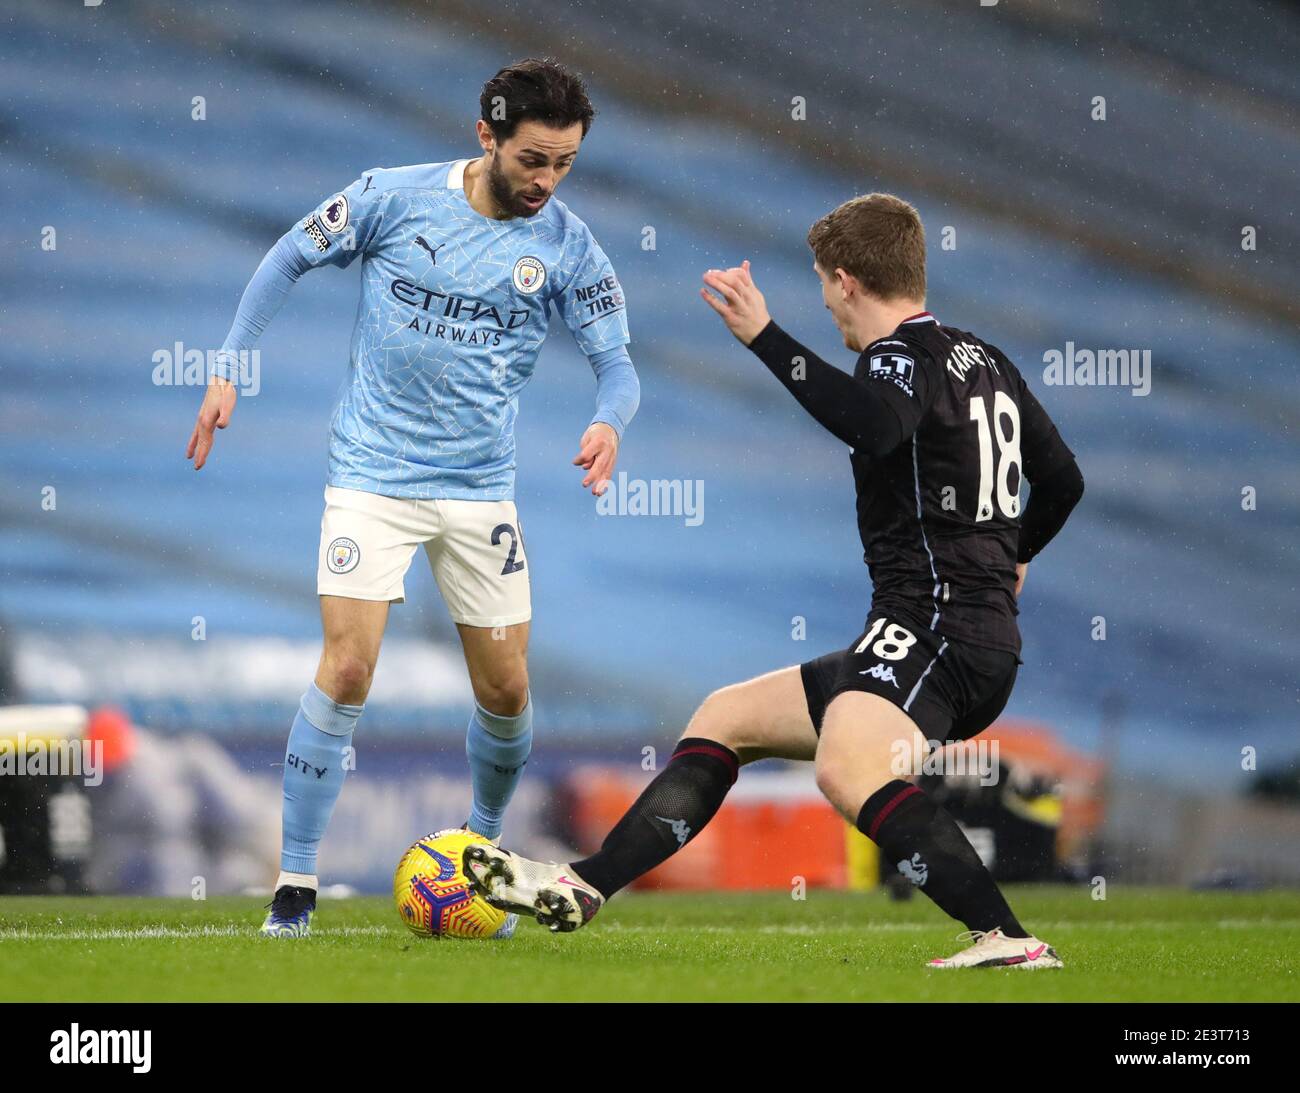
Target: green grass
[(1140, 944)]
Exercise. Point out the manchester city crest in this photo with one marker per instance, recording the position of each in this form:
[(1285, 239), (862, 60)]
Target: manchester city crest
[(342, 556), (530, 274)]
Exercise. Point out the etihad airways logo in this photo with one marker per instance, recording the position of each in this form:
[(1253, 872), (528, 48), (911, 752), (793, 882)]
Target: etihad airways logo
[(455, 308)]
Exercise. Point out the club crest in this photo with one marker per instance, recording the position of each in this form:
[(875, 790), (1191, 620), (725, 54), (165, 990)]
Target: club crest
[(530, 274), (342, 556)]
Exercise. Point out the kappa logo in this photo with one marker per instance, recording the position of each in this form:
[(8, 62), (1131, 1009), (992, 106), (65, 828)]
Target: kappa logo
[(335, 214), (529, 275), (915, 870), (342, 556), (882, 672), (680, 831)]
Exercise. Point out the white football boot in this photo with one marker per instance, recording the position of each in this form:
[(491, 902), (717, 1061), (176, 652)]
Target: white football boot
[(548, 892), (995, 950)]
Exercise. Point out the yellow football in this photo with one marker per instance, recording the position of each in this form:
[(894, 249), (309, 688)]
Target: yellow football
[(433, 897)]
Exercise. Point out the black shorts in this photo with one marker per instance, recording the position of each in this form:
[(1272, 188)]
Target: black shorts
[(952, 690)]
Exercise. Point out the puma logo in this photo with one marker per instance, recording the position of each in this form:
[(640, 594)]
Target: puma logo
[(433, 251)]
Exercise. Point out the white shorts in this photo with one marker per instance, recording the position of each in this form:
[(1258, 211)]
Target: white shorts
[(475, 550)]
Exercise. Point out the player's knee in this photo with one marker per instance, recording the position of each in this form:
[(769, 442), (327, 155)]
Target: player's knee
[(848, 780), (346, 677), (830, 780), (715, 719), (504, 695)]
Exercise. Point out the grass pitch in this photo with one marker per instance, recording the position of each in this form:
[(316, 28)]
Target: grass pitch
[(1138, 945)]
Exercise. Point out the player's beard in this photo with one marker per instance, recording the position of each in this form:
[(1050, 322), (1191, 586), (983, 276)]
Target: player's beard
[(505, 198)]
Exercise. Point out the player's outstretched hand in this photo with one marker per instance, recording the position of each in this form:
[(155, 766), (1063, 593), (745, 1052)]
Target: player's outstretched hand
[(598, 452), (218, 405), (738, 301)]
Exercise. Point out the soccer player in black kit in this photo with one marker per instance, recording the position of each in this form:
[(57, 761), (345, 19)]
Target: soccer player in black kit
[(941, 428)]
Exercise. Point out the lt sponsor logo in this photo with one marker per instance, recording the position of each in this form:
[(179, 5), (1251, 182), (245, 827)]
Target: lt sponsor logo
[(181, 367), (657, 497), (133, 1047), (895, 367), (1099, 368), (43, 757)]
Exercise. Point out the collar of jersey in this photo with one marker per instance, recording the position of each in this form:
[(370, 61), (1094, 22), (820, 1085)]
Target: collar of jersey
[(456, 183)]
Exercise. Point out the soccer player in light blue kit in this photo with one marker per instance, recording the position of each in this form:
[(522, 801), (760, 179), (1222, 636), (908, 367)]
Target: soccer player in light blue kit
[(461, 263)]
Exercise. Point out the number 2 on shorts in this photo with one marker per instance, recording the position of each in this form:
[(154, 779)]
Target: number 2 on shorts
[(511, 565)]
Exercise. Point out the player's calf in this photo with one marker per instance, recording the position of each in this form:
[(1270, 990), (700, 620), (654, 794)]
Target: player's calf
[(861, 733)]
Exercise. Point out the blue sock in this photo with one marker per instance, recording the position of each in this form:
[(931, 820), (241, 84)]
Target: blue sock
[(315, 764), (498, 748)]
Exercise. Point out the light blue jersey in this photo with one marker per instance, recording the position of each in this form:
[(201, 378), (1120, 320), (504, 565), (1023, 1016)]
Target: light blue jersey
[(453, 311)]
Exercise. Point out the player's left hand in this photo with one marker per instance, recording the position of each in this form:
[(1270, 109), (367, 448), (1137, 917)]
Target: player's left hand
[(739, 302), (598, 452), (1021, 569)]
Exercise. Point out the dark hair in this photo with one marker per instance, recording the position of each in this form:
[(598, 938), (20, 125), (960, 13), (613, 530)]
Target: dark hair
[(538, 90), (879, 239)]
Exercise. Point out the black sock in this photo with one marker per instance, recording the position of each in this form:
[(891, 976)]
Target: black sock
[(925, 844), (670, 812)]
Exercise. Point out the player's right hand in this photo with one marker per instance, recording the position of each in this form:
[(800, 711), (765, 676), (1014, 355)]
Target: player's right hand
[(218, 405), (738, 301)]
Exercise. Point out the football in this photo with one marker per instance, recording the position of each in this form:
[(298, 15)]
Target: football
[(433, 897)]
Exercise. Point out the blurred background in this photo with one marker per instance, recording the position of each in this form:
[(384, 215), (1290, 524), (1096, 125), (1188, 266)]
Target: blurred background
[(1098, 174)]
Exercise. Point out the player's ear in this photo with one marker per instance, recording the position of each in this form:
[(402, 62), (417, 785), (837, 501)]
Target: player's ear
[(847, 283), (486, 138)]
